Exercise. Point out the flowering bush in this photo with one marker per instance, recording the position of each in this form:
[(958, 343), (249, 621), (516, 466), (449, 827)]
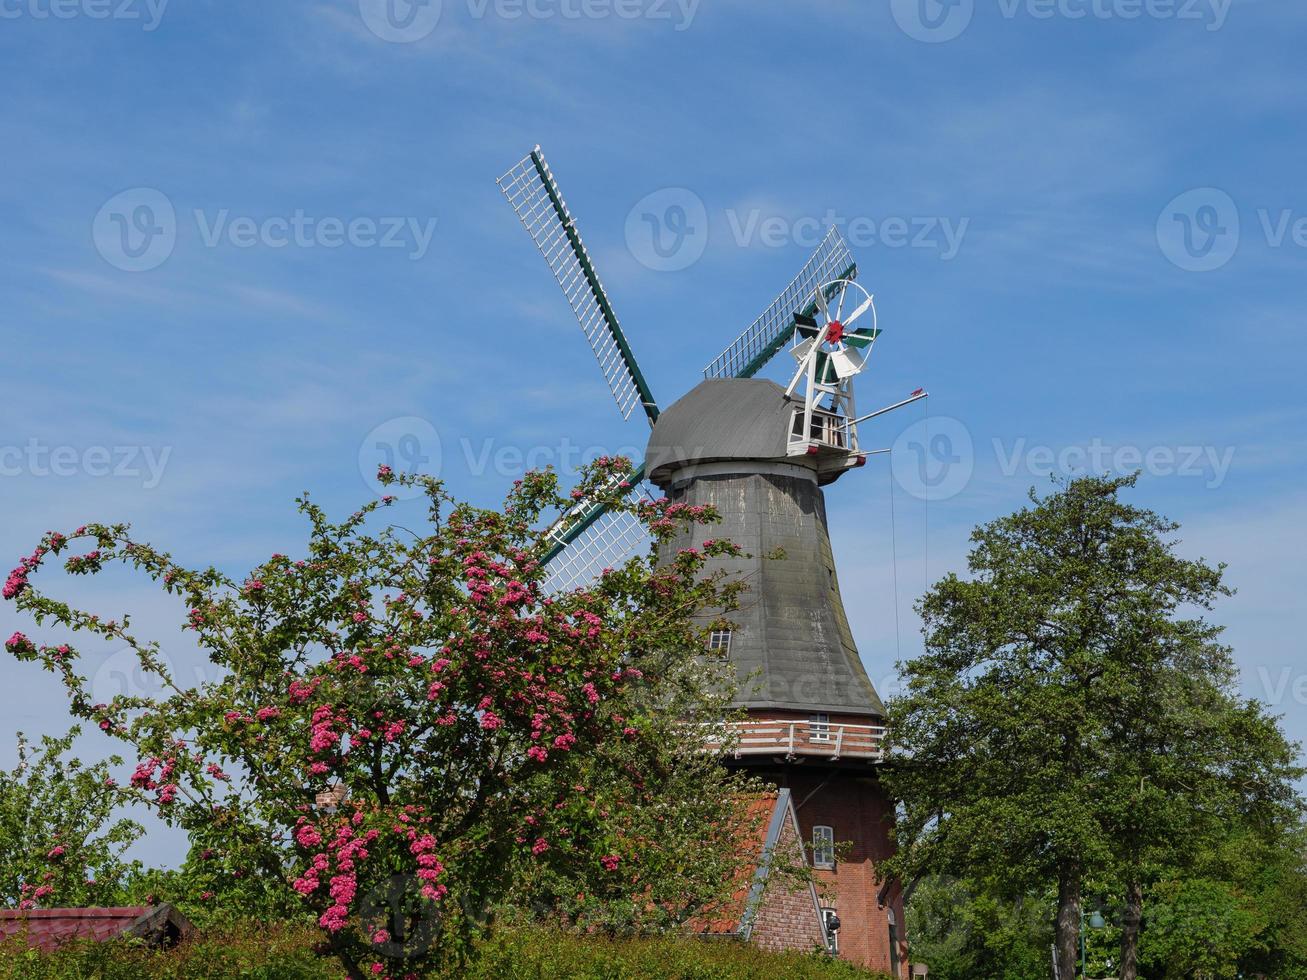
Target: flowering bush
[(59, 841), (410, 731)]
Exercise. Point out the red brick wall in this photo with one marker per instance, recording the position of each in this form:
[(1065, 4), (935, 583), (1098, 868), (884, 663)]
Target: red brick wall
[(788, 917), (853, 804)]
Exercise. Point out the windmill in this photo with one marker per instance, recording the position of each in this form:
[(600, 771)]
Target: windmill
[(760, 455)]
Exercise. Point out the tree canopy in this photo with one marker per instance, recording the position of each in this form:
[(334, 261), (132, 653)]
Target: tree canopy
[(1073, 722)]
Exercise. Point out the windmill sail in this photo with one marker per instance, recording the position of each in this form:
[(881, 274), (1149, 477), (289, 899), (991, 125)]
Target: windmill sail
[(594, 539), (768, 334), (532, 191)]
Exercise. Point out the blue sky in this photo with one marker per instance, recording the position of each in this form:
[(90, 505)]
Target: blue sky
[(1084, 222)]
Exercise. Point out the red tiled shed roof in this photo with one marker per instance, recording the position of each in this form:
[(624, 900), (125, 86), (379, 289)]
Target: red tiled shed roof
[(755, 812), (50, 928)]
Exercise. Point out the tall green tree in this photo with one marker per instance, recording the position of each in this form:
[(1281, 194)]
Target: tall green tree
[(1073, 719)]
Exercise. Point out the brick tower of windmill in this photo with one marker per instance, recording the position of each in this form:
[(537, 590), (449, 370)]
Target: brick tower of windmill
[(760, 455)]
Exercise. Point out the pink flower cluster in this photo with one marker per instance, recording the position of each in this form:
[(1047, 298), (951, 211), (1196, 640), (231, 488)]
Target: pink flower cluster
[(18, 643), (429, 866), (143, 777), (17, 580), (323, 735)]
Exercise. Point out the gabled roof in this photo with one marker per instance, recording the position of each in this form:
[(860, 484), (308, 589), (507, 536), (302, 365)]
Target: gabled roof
[(740, 917), (49, 928)]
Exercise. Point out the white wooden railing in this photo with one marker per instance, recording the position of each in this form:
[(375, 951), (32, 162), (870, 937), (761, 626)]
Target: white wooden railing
[(826, 740)]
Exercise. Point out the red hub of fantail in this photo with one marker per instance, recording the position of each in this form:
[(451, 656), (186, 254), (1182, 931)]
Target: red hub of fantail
[(834, 332)]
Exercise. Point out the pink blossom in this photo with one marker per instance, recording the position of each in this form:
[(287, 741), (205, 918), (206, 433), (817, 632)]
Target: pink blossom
[(610, 862), (18, 643)]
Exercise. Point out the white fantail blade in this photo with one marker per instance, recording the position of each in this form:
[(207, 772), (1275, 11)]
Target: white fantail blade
[(863, 308), (846, 363), (801, 351), (820, 295)]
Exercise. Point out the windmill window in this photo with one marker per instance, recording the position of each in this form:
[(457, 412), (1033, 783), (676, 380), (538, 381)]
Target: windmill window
[(819, 728), (823, 847), (826, 428), (720, 640)]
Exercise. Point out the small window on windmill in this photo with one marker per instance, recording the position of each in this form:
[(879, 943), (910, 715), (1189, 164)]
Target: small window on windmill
[(720, 640), (819, 727), (823, 847)]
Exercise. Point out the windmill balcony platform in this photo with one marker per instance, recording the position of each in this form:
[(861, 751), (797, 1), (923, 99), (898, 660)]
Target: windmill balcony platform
[(798, 739)]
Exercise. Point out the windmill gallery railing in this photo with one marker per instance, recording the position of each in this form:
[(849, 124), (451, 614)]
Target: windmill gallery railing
[(802, 738)]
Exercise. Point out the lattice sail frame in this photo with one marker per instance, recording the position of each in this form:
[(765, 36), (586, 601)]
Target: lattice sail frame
[(768, 334), (533, 193), (607, 540)]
